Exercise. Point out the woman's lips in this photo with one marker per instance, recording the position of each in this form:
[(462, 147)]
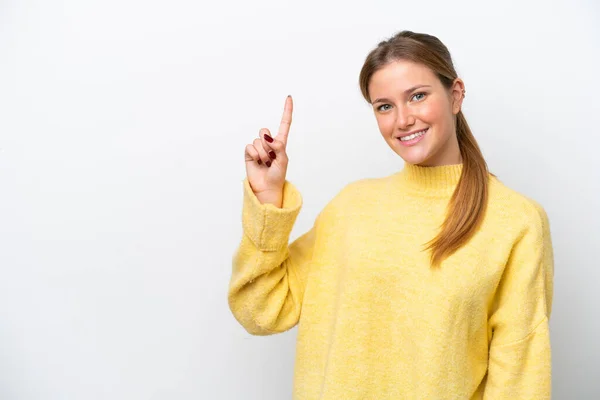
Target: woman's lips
[(414, 141)]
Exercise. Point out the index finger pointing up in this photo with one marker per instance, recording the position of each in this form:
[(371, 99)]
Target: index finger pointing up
[(286, 120)]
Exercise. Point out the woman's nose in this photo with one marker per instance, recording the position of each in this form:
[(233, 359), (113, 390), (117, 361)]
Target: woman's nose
[(404, 118)]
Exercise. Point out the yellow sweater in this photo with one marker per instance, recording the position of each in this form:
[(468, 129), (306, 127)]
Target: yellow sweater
[(375, 321)]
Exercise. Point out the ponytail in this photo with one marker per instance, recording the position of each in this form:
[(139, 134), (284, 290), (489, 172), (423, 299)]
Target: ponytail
[(468, 203)]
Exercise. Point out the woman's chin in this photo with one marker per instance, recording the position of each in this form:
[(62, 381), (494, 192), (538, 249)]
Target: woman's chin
[(412, 157)]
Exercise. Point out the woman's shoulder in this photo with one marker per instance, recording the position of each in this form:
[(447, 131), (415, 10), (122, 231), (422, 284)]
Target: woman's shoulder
[(512, 204), (362, 189), (353, 195)]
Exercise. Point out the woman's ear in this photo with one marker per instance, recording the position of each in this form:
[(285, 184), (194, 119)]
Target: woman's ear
[(457, 93)]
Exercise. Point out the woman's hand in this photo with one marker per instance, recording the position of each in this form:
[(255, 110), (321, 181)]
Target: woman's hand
[(266, 160)]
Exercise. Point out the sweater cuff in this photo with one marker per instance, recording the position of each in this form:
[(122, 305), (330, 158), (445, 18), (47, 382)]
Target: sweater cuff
[(269, 227)]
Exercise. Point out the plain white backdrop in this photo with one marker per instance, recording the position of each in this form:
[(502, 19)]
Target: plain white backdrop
[(122, 131)]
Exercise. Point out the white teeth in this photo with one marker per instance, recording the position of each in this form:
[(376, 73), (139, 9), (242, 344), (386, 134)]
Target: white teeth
[(414, 135)]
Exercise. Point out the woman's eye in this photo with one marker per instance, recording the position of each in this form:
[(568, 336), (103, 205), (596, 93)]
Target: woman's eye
[(384, 107), (420, 96)]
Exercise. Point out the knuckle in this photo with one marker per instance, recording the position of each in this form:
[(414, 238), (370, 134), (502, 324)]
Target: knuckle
[(277, 145)]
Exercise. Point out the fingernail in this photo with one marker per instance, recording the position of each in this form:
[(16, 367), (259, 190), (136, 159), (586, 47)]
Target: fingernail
[(268, 163), (268, 138), (259, 162), (272, 154)]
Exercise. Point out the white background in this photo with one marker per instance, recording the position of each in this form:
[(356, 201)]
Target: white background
[(122, 130)]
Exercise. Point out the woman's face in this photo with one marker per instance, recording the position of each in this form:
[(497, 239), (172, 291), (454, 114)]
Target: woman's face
[(408, 98)]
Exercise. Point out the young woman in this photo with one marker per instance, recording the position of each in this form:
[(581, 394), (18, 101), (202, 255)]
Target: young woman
[(435, 282)]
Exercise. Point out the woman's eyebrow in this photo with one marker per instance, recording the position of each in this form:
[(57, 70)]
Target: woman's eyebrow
[(407, 91)]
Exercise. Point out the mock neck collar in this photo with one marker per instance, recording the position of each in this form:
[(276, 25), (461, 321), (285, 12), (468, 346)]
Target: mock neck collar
[(439, 180)]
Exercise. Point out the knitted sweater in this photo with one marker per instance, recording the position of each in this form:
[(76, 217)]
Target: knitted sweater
[(375, 321)]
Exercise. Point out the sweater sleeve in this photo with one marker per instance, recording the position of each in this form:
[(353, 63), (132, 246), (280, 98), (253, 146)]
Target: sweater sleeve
[(520, 354), (269, 275)]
